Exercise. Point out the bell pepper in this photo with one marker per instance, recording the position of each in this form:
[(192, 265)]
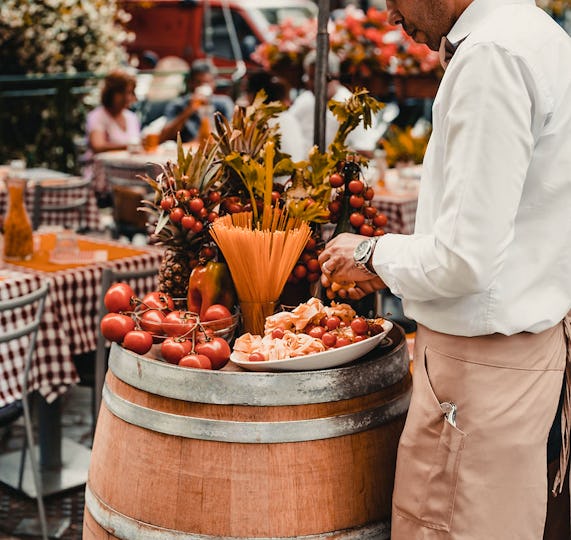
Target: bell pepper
[(210, 284)]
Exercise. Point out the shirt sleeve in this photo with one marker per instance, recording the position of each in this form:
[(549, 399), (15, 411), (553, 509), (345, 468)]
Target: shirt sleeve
[(485, 131)]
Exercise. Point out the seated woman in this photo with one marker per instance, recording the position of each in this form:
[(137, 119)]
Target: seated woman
[(112, 126)]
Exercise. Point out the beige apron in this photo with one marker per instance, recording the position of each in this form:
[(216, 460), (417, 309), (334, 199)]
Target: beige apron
[(485, 477)]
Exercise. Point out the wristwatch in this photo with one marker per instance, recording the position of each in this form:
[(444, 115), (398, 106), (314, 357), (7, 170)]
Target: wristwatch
[(363, 255)]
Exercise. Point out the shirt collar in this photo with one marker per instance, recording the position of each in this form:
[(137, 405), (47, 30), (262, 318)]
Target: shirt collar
[(474, 14)]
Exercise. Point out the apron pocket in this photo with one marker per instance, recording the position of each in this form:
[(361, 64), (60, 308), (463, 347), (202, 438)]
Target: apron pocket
[(428, 458)]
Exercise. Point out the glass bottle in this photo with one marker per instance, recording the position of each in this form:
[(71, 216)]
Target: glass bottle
[(18, 236)]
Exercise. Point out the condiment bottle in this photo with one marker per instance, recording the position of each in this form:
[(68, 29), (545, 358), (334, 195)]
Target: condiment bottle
[(18, 236)]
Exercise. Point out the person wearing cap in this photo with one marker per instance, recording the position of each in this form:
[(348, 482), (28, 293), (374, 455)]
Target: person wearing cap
[(303, 108), (486, 276), (187, 113)]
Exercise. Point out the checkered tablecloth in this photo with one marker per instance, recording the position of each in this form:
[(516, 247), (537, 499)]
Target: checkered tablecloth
[(88, 216), (401, 214), (69, 326)]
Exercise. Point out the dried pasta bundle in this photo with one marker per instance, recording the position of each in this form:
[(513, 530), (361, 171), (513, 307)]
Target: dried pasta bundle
[(260, 257)]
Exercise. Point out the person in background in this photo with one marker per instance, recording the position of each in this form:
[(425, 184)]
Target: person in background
[(303, 108), (112, 126), (486, 276), (187, 113), (291, 135)]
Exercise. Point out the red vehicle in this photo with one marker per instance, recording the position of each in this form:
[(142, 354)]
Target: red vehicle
[(228, 31)]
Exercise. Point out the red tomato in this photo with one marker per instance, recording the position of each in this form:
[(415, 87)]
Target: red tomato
[(356, 201), (196, 205), (114, 326), (256, 357), (178, 323), (176, 214), (369, 194), (215, 312), (313, 265), (277, 333), (151, 321), (138, 341), (172, 350), (300, 271), (317, 332), (370, 211), (360, 326), (333, 322), (119, 297), (158, 300), (379, 232), (199, 361), (183, 194), (167, 203), (197, 227), (356, 186), (212, 216), (329, 339), (342, 342), (188, 222), (214, 197), (217, 349), (366, 230), (334, 206), (336, 180), (356, 219), (380, 220)]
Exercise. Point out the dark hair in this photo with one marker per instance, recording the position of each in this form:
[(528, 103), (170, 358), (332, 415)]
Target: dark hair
[(201, 66), (116, 82), (276, 89)]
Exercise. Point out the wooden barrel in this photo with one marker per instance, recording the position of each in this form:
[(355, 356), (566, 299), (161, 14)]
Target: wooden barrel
[(191, 454)]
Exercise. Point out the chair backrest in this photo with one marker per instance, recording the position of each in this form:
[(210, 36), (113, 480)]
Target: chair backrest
[(30, 328), (109, 277), (69, 195)]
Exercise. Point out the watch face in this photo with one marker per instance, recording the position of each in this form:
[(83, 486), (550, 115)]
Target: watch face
[(362, 251)]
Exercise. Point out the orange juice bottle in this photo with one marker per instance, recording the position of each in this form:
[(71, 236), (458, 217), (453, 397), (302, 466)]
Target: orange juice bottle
[(18, 237)]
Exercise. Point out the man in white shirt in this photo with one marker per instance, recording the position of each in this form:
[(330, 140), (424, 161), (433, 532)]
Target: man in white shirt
[(486, 275), (303, 108)]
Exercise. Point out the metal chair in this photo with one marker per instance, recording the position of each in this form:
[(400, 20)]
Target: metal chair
[(74, 193), (28, 329), (109, 277)]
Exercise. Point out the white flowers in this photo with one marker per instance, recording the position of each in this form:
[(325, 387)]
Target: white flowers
[(55, 36)]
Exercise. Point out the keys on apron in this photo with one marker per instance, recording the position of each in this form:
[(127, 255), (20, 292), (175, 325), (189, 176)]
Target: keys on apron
[(449, 410)]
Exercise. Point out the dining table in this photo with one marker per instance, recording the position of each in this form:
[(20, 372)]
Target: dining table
[(69, 328), (398, 204), (90, 217)]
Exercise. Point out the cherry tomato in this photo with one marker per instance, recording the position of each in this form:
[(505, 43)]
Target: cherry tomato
[(114, 326), (358, 338), (173, 349), (188, 222), (334, 206), (370, 211), (197, 227), (360, 326), (300, 271), (369, 194), (329, 339), (378, 232), (333, 322), (312, 277), (317, 332), (158, 300), (366, 230), (256, 357), (313, 265), (356, 219), (278, 333), (182, 195), (178, 323), (356, 201), (380, 220), (214, 197), (311, 244), (196, 205), (193, 192), (151, 320), (212, 216), (356, 186), (138, 341), (342, 342), (167, 203), (119, 297), (336, 180), (176, 214), (217, 349), (199, 361), (216, 312)]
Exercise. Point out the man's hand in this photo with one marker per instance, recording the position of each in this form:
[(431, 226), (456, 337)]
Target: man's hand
[(338, 266)]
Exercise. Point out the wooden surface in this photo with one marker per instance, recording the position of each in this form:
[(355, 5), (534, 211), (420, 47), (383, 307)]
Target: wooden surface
[(244, 490)]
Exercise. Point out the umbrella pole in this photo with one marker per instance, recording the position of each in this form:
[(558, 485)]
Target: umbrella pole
[(321, 63)]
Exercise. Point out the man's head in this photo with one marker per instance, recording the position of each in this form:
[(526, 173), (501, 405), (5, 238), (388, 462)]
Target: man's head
[(202, 72), (426, 21)]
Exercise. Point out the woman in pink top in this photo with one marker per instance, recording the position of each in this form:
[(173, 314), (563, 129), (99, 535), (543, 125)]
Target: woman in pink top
[(112, 126)]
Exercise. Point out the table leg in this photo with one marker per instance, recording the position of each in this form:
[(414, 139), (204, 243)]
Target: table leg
[(49, 434)]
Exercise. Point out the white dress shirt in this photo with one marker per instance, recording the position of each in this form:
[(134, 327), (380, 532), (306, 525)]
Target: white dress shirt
[(491, 250)]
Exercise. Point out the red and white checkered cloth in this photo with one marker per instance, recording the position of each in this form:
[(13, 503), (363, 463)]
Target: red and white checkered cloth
[(400, 214), (69, 326)]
